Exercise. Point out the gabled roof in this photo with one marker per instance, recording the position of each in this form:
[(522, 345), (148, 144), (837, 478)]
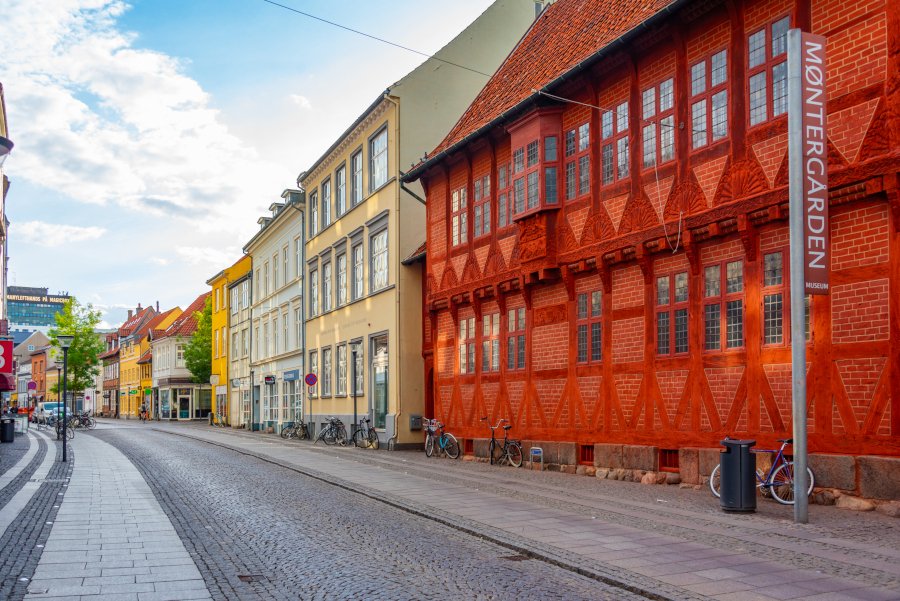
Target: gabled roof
[(139, 318), (152, 324), (186, 322), (417, 254), (569, 34), (147, 357), (109, 353)]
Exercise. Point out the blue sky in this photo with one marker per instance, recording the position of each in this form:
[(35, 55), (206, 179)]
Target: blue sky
[(151, 134)]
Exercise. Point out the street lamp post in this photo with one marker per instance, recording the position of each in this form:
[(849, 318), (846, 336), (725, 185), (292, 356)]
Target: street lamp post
[(64, 343)]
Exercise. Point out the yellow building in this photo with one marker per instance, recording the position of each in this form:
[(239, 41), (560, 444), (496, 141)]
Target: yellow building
[(226, 301), (363, 302), (129, 372), (145, 359)]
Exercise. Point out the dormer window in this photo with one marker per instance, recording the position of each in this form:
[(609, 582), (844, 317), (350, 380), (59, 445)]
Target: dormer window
[(535, 163)]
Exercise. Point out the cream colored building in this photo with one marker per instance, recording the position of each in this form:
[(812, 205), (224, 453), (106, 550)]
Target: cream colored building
[(362, 222)]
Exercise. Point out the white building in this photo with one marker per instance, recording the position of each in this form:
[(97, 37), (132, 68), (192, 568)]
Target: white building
[(277, 334), (177, 395), (239, 333)]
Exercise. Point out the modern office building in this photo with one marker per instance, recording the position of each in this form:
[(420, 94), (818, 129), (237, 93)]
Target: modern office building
[(31, 310)]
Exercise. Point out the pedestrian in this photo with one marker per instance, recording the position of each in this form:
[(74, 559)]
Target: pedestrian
[(143, 412)]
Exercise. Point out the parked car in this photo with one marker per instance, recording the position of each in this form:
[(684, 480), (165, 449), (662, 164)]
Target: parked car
[(49, 408)]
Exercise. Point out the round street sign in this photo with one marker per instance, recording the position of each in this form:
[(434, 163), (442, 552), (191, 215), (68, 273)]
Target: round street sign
[(310, 379), (32, 385)]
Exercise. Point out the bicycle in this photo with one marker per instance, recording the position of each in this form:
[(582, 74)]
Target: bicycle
[(297, 430), (333, 433), (364, 435), (510, 452), (777, 482), (445, 443), (60, 428)]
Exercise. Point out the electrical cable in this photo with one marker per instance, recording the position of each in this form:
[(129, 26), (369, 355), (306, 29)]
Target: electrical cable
[(373, 37)]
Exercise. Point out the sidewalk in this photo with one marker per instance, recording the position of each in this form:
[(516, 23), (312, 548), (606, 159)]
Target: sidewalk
[(659, 540)]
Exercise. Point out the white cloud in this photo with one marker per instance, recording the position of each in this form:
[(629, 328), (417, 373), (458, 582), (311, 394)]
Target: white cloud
[(159, 261), (55, 234), (208, 256), (301, 101)]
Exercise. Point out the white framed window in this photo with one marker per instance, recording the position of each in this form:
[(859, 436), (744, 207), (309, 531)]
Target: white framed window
[(326, 203), (356, 350), (314, 292), (298, 323), (285, 331), (313, 213), (314, 369), (356, 181), (275, 346), (342, 280), (275, 279), (379, 245), (325, 378), (284, 263), (358, 272), (298, 257), (327, 287), (340, 384), (340, 190), (378, 160)]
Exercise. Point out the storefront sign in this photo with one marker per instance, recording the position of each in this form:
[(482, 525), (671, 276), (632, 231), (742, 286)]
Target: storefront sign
[(291, 376), (6, 357), (814, 162), (269, 379)]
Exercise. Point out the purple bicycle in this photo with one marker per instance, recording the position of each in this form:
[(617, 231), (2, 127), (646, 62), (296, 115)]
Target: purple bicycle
[(778, 482)]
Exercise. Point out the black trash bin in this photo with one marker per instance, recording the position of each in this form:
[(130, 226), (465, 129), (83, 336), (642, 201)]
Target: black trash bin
[(7, 429), (737, 474)]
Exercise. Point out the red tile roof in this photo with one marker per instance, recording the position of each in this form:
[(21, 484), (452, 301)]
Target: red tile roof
[(110, 353), (567, 33), (186, 322), (140, 317), (147, 357), (152, 324), (416, 255)]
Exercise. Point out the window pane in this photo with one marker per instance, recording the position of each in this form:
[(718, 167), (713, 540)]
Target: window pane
[(495, 354), (477, 186), (779, 89), (550, 196), (550, 148), (518, 160), (698, 124), (648, 103), (595, 303), (501, 210), (772, 270), (734, 322), (462, 358), (712, 279), (582, 343), (622, 117), (533, 181), (662, 290), (519, 194), (719, 71), (511, 352), (521, 315), (487, 218), (570, 180), (570, 142), (712, 327), (622, 158), (511, 320), (501, 177), (757, 45), (779, 36), (495, 326), (379, 244), (649, 145), (584, 136), (584, 174), (698, 78), (681, 331), (720, 115), (486, 355), (667, 138), (378, 160), (734, 277), (758, 98), (532, 153), (606, 124), (521, 363), (477, 220), (681, 287), (662, 333), (772, 318), (607, 164), (596, 341), (582, 310), (666, 95)]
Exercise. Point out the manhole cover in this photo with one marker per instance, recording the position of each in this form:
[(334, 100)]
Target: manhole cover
[(251, 577), (515, 557)]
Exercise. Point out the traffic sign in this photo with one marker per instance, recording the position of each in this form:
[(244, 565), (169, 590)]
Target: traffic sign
[(310, 379)]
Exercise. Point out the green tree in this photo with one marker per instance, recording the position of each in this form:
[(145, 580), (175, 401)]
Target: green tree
[(198, 350), (82, 360)]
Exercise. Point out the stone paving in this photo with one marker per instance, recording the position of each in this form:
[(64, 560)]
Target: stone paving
[(111, 539), (677, 544)]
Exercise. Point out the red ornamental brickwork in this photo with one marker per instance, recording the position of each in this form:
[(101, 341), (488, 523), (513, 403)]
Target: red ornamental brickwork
[(637, 254)]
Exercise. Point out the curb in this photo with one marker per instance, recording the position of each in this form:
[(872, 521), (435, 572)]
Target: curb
[(639, 585)]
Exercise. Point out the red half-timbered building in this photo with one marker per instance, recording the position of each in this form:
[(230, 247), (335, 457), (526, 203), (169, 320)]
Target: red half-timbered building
[(607, 240)]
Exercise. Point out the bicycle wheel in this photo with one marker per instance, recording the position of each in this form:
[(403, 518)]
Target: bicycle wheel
[(286, 432), (359, 439), (429, 445), (497, 453), (514, 454), (715, 482), (341, 436), (303, 433), (783, 483), (373, 439), (70, 433), (451, 446)]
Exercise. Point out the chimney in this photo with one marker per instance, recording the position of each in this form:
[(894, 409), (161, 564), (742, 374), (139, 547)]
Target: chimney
[(138, 310), (157, 306), (130, 314)]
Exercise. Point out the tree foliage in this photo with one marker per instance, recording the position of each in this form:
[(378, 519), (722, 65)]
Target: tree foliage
[(82, 358), (198, 350)]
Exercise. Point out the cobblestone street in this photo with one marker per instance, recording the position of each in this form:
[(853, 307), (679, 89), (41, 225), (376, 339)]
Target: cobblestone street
[(165, 512)]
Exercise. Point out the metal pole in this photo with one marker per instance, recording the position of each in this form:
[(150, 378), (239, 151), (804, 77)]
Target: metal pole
[(353, 394), (64, 418), (798, 306)]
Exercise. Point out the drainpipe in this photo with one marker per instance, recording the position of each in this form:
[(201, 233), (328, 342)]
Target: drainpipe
[(392, 441)]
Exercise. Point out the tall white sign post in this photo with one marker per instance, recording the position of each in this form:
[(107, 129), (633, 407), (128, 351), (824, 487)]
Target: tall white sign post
[(809, 225)]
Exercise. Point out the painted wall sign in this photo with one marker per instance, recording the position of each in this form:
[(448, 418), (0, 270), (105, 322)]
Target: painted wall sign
[(6, 357)]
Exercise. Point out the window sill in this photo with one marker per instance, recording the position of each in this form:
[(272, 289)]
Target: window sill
[(360, 299), (352, 207)]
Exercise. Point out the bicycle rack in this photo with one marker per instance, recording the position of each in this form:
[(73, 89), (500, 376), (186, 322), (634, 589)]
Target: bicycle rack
[(536, 453)]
